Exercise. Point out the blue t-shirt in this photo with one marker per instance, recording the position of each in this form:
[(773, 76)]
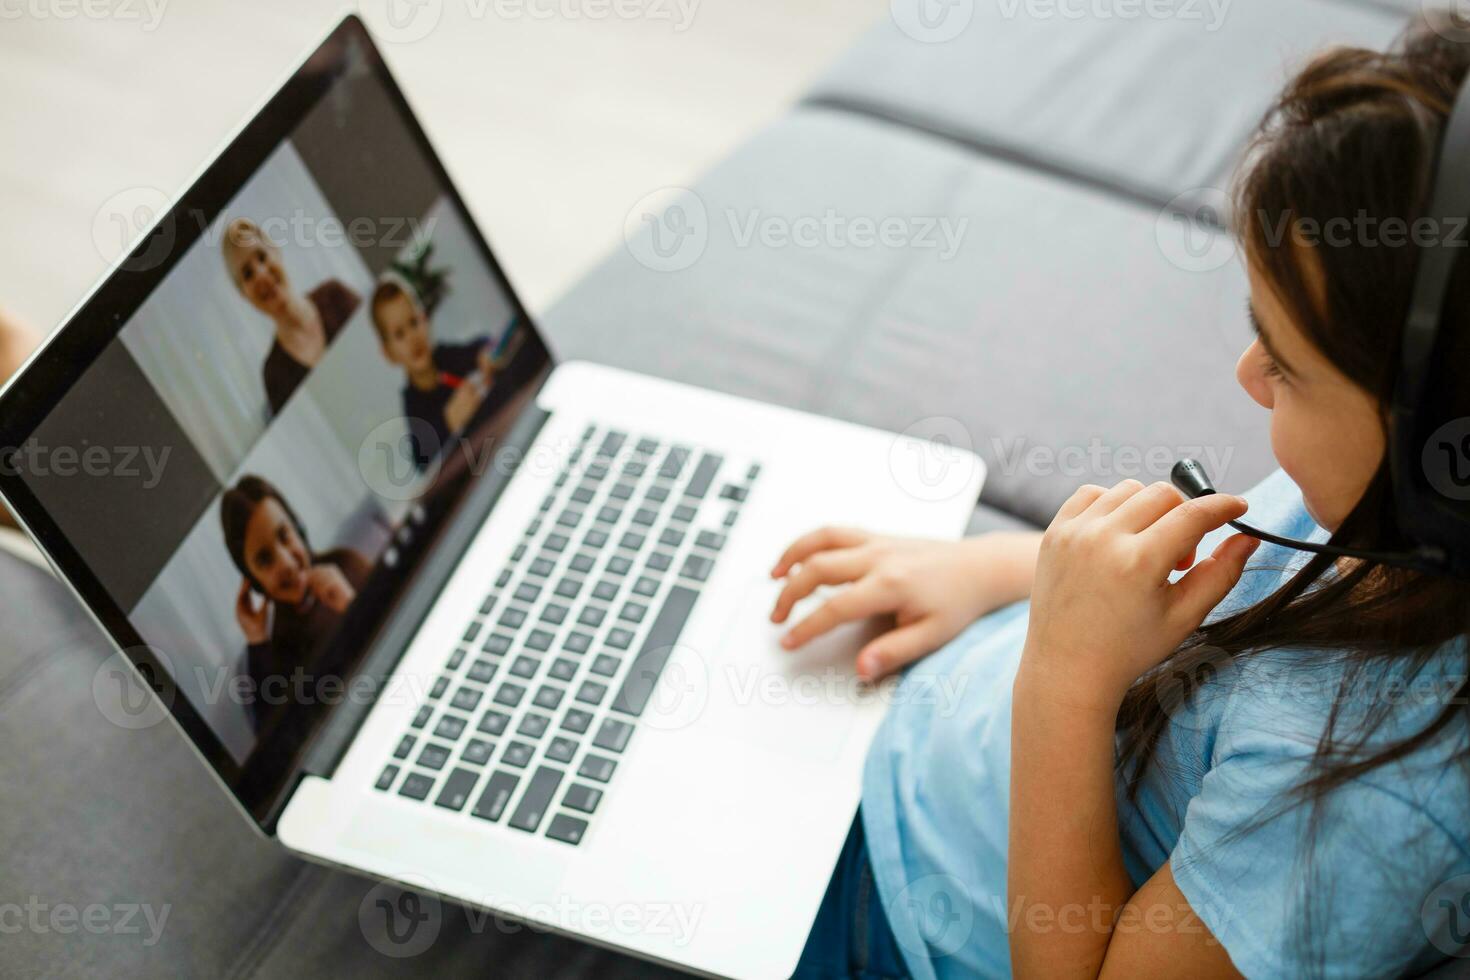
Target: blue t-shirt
[(936, 804)]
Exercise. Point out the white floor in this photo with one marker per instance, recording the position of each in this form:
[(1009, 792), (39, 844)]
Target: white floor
[(555, 127)]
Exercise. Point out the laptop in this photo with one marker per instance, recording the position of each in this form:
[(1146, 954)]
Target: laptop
[(432, 606)]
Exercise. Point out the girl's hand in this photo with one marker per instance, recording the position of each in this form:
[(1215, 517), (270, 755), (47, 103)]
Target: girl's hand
[(462, 405), (331, 587), (933, 589), (254, 620), (1103, 611)]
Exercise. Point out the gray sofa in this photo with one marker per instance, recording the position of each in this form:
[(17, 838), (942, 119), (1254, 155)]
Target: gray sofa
[(1074, 336)]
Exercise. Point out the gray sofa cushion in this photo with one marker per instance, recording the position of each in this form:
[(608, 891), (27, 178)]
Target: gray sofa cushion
[(1068, 93), (1059, 340), (129, 823)]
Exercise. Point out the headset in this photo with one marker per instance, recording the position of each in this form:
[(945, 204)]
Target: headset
[(1431, 494)]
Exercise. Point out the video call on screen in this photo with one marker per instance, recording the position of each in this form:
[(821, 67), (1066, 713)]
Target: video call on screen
[(274, 410)]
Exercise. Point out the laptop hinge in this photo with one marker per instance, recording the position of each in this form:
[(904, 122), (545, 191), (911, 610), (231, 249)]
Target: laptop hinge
[(341, 727)]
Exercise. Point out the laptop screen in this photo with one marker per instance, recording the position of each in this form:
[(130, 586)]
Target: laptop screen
[(248, 446)]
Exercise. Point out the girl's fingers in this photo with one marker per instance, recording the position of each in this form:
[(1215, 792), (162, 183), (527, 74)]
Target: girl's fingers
[(1147, 506), (828, 568), (823, 539), (1212, 579), (1079, 502), (1110, 501), (897, 648), (858, 602), (1179, 531)]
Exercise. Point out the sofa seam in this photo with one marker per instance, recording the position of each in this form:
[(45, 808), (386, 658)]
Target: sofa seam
[(253, 957)]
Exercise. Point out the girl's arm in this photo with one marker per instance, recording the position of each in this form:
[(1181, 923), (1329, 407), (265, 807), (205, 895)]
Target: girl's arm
[(1103, 613)]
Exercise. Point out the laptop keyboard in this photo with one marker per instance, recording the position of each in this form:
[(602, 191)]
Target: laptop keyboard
[(531, 715)]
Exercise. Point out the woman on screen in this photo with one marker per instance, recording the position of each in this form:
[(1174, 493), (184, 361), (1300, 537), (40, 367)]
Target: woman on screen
[(291, 600), (305, 325)]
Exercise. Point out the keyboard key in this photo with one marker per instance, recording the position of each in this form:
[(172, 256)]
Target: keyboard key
[(481, 670), (657, 647), (733, 492), (472, 631), (753, 472), (569, 518), (548, 697), (561, 749), (455, 659), (466, 698), (620, 639), (685, 513), (704, 475), (405, 746), (478, 751), (548, 502), (591, 692), (422, 718), (539, 640), (632, 541), (577, 643), (517, 754), (537, 799), (513, 617), (645, 517), (440, 686), (673, 463), (524, 667), (596, 767), (618, 565), (634, 469), (647, 447), (488, 604), (609, 514), (731, 516), (503, 579), (645, 586), (697, 567), (605, 590), (497, 794), (656, 494), (567, 829), (577, 721), (457, 789), (533, 725), (622, 491), (584, 494), (612, 442), (582, 563), (533, 528), (563, 669), (498, 644), (583, 798), (613, 735), (416, 786), (527, 592), (494, 723), (557, 543), (671, 538), (592, 616), (713, 540), (605, 666), (595, 539), (515, 556), (510, 695), (633, 612), (450, 727), (555, 614), (390, 773), (433, 757), (568, 588), (541, 568), (660, 561)]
